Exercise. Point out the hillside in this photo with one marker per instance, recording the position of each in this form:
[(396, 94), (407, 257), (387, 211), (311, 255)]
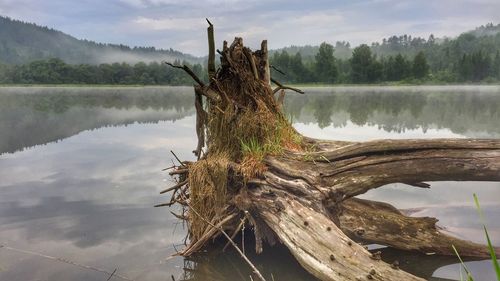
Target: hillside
[(484, 38), (22, 42)]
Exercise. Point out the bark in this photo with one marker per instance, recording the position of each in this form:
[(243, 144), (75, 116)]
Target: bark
[(304, 197)]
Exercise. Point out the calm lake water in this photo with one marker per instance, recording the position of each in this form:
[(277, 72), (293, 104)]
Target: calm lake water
[(80, 169)]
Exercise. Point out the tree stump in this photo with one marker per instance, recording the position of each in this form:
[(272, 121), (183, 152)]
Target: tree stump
[(254, 166)]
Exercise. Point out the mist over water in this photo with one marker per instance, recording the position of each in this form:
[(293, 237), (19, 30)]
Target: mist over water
[(80, 169)]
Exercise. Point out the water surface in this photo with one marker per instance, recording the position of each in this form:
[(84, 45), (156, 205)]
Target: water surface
[(80, 169)]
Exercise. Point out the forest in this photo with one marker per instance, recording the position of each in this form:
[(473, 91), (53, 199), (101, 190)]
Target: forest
[(56, 71), (473, 56)]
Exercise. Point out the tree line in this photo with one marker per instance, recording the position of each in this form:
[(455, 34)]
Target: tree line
[(56, 71), (366, 67), (471, 57)]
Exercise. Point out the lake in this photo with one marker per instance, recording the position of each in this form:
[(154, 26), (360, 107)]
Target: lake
[(81, 168)]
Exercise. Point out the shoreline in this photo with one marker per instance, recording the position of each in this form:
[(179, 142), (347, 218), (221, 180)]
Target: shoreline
[(307, 85)]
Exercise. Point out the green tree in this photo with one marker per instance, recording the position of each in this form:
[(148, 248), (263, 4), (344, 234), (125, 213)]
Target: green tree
[(325, 67), (375, 71), (420, 68), (361, 64), (496, 66), (402, 67)]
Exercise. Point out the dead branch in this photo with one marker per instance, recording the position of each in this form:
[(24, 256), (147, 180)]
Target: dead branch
[(211, 50), (238, 228), (281, 86), (221, 230), (266, 77), (63, 260), (251, 61), (277, 69), (188, 71), (175, 187)]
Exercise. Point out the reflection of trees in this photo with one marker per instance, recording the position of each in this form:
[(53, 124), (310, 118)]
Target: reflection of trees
[(37, 116), (394, 111), (324, 109), (59, 100), (30, 116)]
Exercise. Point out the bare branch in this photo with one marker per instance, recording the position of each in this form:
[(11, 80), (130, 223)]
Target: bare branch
[(277, 69), (240, 226), (281, 86), (250, 59), (211, 50), (188, 71), (418, 184), (177, 158), (255, 270), (177, 186), (265, 58), (63, 260)]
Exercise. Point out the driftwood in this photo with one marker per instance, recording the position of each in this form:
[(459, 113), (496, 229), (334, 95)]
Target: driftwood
[(300, 191)]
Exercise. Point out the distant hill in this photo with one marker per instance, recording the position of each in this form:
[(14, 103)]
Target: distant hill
[(407, 45), (486, 30), (22, 42)]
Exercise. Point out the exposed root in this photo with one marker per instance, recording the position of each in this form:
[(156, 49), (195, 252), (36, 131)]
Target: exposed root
[(297, 190)]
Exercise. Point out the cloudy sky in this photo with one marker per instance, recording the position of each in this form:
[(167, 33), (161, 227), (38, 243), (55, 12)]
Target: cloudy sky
[(181, 24)]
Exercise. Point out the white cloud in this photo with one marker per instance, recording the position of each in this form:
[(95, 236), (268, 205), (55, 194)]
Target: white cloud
[(321, 18), (170, 23), (181, 24)]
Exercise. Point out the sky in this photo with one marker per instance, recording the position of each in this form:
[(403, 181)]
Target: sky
[(181, 25)]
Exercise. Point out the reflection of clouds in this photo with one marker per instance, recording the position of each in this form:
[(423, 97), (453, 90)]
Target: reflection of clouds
[(89, 198), (109, 158), (84, 223)]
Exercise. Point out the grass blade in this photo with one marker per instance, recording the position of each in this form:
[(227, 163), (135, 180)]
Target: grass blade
[(469, 275), (494, 260)]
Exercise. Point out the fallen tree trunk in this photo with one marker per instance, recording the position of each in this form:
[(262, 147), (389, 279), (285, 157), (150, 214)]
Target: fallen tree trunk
[(300, 191)]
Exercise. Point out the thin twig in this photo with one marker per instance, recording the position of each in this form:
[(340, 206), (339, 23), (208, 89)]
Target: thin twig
[(235, 233), (277, 69), (211, 50), (177, 158), (188, 71), (168, 168), (178, 171), (181, 217), (281, 86), (177, 186), (243, 256), (113, 273), (64, 261)]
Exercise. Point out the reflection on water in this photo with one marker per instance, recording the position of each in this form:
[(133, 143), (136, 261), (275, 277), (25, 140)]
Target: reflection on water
[(80, 169), (33, 116)]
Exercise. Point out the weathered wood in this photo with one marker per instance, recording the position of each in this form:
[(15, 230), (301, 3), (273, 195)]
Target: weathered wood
[(320, 246), (283, 87), (201, 116), (302, 196), (188, 71), (266, 77), (388, 226), (211, 50)]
